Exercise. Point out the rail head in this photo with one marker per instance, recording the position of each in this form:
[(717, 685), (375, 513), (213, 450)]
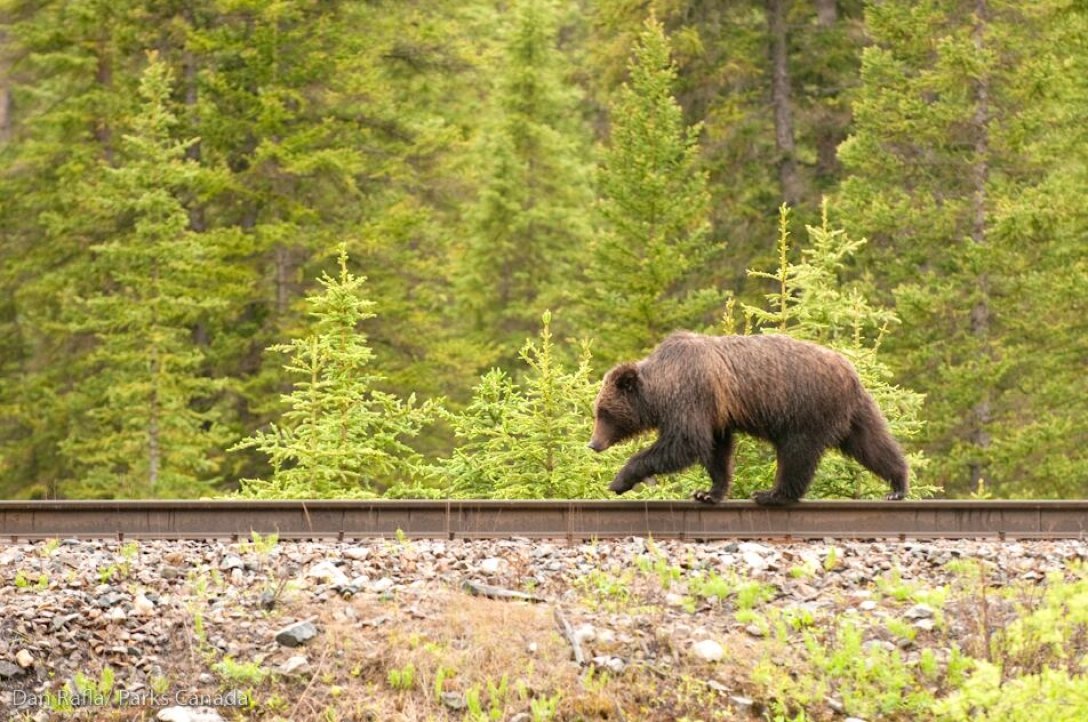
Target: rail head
[(569, 519)]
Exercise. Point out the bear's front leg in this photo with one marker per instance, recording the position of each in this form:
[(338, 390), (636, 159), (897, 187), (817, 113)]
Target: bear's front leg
[(664, 456)]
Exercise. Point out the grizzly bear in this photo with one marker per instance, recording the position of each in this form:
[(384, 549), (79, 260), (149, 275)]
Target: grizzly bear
[(699, 391)]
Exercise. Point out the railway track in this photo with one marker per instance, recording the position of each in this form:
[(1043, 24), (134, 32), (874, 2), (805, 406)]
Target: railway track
[(571, 520)]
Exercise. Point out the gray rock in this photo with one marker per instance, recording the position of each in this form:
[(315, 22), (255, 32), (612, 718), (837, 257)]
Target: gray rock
[(707, 650), (453, 700), (295, 665), (188, 714), (919, 611), (382, 585), (297, 634), (329, 572), (357, 553), (231, 561), (110, 599), (9, 670)]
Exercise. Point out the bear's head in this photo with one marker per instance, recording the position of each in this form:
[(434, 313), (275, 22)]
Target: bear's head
[(617, 410)]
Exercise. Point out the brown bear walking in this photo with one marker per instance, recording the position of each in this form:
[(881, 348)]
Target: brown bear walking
[(698, 391)]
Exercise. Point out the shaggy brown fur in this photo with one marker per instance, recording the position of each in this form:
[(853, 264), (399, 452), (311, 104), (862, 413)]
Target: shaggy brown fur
[(697, 391)]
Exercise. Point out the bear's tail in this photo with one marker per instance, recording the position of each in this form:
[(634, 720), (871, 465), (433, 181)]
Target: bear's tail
[(870, 442)]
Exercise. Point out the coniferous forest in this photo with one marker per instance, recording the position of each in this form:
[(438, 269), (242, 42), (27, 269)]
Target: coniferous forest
[(297, 248)]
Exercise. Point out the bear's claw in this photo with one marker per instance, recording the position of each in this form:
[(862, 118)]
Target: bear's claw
[(772, 498), (895, 496), (706, 497)]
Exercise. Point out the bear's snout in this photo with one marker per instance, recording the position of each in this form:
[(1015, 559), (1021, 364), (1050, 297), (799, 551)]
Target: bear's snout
[(597, 445)]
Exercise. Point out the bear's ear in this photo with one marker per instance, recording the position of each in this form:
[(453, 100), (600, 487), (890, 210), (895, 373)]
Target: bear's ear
[(626, 377)]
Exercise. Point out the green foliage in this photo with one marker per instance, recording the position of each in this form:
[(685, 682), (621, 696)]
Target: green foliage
[(529, 223), (341, 436), (527, 439), (162, 222), (141, 423), (648, 259), (959, 169)]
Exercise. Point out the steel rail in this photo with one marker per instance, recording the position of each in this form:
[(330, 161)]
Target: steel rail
[(559, 519)]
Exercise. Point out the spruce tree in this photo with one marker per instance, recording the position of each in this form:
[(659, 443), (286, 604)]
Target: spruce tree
[(529, 224), (140, 427), (525, 437), (953, 122), (649, 259), (341, 435)]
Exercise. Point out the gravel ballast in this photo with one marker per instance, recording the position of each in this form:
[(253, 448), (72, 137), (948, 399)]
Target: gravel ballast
[(186, 624)]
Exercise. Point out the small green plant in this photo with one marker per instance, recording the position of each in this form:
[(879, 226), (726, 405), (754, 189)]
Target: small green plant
[(802, 571), (754, 593), (440, 676), (262, 545), (100, 688), (654, 562), (50, 546), (544, 709), (250, 673), (831, 561), (604, 590), (130, 551), (403, 678), (711, 586)]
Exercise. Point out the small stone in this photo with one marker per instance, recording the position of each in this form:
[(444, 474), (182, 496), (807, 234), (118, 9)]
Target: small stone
[(615, 665), (295, 665), (740, 701), (382, 585), (919, 611), (673, 599), (853, 719), (117, 614), (490, 565), (357, 553), (532, 648), (231, 561), (329, 572), (707, 650), (755, 630), (754, 561), (142, 606), (926, 625), (24, 659), (188, 714), (868, 605), (522, 717), (585, 633), (267, 600), (9, 670), (453, 700), (296, 634)]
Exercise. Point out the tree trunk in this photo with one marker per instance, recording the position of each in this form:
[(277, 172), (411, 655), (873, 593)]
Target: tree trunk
[(788, 181), (982, 413), (827, 12), (104, 78), (5, 93)]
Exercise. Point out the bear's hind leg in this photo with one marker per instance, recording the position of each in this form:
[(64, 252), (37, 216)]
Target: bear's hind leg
[(720, 468), (871, 443), (797, 462)]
